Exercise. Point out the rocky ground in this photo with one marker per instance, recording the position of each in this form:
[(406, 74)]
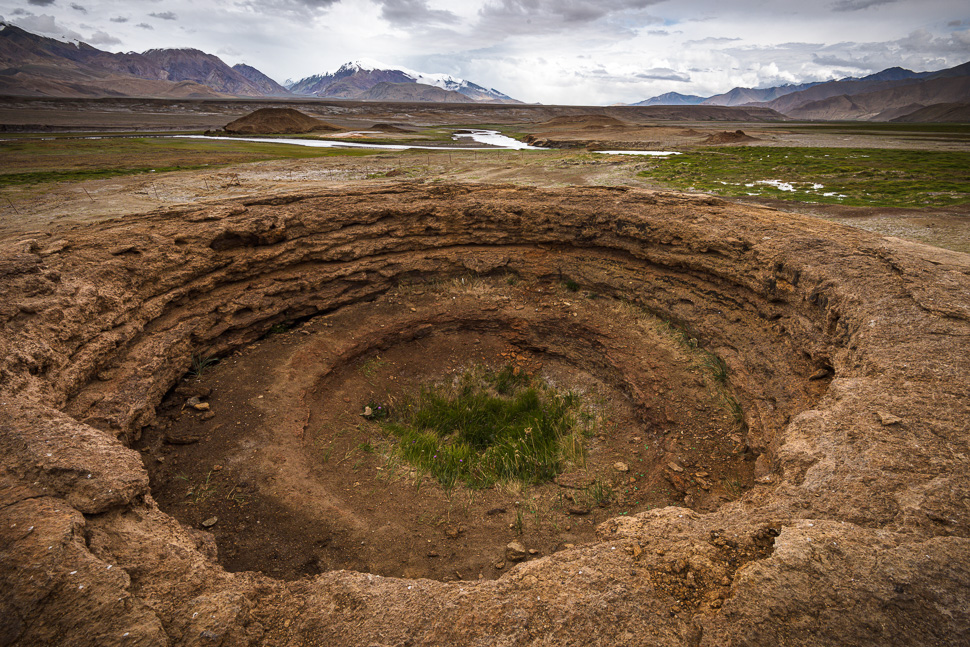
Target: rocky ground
[(847, 352)]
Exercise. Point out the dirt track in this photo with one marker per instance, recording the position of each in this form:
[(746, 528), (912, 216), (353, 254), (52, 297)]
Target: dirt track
[(855, 530)]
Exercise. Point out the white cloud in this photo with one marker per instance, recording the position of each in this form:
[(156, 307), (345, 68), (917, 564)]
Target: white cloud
[(550, 51), (46, 25)]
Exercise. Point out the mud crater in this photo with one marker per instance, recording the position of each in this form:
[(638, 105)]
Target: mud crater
[(846, 352), (270, 442)]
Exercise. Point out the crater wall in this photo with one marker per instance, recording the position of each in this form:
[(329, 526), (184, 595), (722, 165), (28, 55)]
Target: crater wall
[(849, 352)]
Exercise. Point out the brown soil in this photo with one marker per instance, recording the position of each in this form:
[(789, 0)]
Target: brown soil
[(584, 122), (390, 128), (725, 137), (846, 351), (269, 121), (337, 506)]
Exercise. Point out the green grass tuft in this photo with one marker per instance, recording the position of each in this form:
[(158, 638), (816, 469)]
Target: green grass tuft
[(501, 427)]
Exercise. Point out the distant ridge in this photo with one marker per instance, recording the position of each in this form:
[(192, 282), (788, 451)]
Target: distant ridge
[(352, 80), (672, 99), (889, 95), (32, 65)]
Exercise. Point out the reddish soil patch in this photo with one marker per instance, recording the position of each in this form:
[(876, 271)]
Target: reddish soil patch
[(300, 483)]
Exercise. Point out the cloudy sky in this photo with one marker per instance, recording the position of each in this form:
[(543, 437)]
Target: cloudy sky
[(550, 51)]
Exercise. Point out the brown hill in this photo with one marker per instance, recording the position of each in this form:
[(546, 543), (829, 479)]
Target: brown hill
[(870, 105), (194, 65), (34, 65), (387, 91), (725, 137), (277, 121), (956, 113), (389, 128), (585, 121)]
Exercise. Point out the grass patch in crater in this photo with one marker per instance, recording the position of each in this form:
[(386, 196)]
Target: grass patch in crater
[(847, 176), (489, 427)]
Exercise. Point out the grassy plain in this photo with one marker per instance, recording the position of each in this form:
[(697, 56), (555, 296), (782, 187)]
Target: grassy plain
[(37, 160), (868, 177), (906, 180)]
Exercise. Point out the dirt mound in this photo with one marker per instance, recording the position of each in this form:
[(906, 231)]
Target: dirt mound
[(690, 132), (584, 121), (273, 121), (838, 362), (389, 128), (937, 113), (726, 137)]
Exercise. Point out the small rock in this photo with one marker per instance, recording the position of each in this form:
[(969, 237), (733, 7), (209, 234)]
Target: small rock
[(887, 418), (368, 412), (182, 440), (577, 510), (453, 533), (515, 551), (211, 521), (201, 406), (533, 551), (675, 467), (716, 604), (217, 468), (499, 565), (568, 546), (820, 374), (621, 467), (725, 581), (432, 553), (191, 402), (495, 511)]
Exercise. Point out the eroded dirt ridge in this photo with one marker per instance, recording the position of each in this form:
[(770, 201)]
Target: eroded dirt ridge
[(847, 352)]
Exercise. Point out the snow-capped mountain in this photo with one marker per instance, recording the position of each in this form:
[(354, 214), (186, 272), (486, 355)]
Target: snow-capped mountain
[(354, 79)]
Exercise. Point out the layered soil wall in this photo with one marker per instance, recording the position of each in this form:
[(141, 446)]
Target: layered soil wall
[(849, 352)]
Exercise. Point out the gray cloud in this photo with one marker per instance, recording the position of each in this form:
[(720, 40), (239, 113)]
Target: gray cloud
[(41, 3), (77, 7), (103, 38), (144, 25), (164, 15), (560, 11), (839, 61), (303, 8), (47, 26), (119, 19), (858, 5), (663, 74), (414, 12), (712, 40)]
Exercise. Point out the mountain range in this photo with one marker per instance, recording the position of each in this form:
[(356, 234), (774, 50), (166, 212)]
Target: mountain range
[(32, 65), (894, 94)]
